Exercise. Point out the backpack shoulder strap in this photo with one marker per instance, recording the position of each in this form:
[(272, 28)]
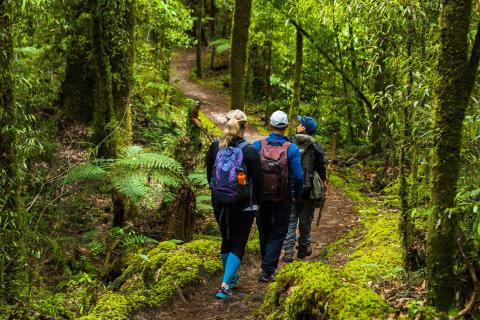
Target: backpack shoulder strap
[(242, 145), (263, 143), (286, 145)]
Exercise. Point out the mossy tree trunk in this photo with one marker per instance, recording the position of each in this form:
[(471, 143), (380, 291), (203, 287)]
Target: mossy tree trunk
[(406, 224), (241, 24), (78, 85), (113, 44), (198, 29), (11, 214), (295, 104), (377, 113), (456, 74)]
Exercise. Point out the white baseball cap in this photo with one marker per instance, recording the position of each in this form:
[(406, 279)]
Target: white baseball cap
[(279, 119)]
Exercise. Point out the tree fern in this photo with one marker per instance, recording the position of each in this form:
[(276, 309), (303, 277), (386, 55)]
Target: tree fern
[(136, 174)]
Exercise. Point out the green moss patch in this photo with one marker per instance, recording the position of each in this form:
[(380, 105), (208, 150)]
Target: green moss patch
[(155, 278), (313, 290), (209, 125)]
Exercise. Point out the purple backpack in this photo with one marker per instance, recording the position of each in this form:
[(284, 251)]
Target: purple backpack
[(224, 185)]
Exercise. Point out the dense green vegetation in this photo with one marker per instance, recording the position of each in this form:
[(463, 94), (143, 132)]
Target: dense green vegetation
[(101, 158)]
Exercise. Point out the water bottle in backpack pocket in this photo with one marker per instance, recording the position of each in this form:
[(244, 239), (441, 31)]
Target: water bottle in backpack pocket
[(229, 182)]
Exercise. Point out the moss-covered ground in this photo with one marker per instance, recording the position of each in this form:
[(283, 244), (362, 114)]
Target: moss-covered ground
[(316, 290), (155, 278)]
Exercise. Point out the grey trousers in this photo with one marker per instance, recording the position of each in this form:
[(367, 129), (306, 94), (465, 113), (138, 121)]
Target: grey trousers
[(304, 221)]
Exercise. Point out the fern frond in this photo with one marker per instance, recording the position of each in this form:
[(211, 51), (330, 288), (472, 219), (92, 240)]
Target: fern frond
[(198, 179), (137, 239), (221, 45), (166, 180), (151, 161), (132, 185), (204, 198), (475, 194), (85, 171), (131, 152)]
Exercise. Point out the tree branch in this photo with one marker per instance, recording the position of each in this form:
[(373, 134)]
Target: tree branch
[(357, 90), (475, 55)]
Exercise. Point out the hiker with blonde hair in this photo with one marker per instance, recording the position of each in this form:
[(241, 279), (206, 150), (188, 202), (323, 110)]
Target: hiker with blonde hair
[(236, 181)]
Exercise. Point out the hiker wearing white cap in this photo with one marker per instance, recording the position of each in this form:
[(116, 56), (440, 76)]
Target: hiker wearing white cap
[(283, 182)]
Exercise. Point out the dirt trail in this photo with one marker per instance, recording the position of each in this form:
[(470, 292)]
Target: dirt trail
[(214, 103), (338, 217)]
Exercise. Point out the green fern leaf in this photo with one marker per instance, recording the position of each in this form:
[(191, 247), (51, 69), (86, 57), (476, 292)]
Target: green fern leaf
[(198, 179), (132, 185), (153, 161), (85, 171), (131, 152), (166, 180)]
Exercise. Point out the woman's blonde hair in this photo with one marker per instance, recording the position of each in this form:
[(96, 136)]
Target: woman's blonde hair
[(236, 121)]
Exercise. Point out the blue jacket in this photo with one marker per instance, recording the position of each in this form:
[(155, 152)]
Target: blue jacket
[(294, 162)]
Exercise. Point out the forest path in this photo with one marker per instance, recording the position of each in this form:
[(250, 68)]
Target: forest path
[(213, 103), (338, 217)]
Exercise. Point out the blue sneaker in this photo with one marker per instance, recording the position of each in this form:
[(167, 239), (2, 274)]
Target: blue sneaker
[(224, 293), (235, 280)]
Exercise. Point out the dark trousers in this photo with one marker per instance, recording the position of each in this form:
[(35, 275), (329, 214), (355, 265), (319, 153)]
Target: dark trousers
[(272, 222), (235, 226)]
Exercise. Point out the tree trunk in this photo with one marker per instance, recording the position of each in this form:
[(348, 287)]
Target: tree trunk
[(377, 116), (344, 83), (113, 61), (213, 13), (456, 74), (199, 38), (406, 224), (78, 85), (241, 23), (10, 165), (295, 105), (268, 66)]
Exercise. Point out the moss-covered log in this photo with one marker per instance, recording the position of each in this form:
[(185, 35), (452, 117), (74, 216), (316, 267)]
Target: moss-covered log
[(154, 280), (456, 77), (241, 24)]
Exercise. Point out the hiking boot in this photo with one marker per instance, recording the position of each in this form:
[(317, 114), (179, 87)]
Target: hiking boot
[(304, 251), (224, 293), (287, 257), (235, 280), (266, 277)]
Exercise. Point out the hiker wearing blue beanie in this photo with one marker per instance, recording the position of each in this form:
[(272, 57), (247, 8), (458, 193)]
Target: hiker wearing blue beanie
[(314, 173)]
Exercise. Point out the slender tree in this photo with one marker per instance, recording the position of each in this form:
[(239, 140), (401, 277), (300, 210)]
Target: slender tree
[(295, 104), (456, 73), (198, 29), (10, 177), (268, 85), (113, 48), (241, 24)]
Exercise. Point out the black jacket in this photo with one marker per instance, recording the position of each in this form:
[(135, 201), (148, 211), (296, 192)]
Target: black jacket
[(251, 159)]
